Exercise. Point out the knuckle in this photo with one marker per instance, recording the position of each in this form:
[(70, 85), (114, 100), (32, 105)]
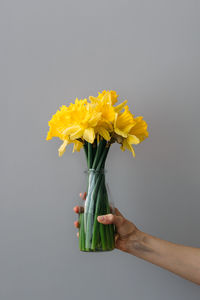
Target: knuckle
[(122, 220), (111, 217)]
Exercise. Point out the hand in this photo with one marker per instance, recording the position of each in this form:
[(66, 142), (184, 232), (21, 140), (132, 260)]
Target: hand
[(181, 260), (126, 230)]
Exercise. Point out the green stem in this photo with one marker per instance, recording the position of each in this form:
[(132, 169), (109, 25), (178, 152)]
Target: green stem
[(108, 237), (94, 149), (85, 147), (102, 160), (90, 210), (91, 179), (81, 233), (90, 156), (103, 236), (103, 228), (100, 148), (95, 235)]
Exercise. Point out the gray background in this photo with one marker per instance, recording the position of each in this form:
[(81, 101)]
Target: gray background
[(51, 52)]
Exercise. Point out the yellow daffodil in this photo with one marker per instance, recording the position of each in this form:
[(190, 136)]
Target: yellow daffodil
[(57, 124), (110, 97), (104, 124), (127, 143), (77, 146), (123, 122), (82, 124), (136, 135), (62, 148), (104, 103), (140, 129), (132, 130), (86, 121), (120, 106), (76, 121)]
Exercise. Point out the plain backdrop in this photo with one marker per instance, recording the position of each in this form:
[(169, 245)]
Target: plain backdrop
[(52, 52)]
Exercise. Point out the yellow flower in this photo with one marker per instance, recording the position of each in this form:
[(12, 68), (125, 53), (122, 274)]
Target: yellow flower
[(74, 122), (62, 148), (83, 121), (104, 124), (110, 97), (77, 146), (136, 135), (107, 111), (132, 130), (127, 143), (140, 128), (123, 122), (104, 103), (57, 124), (120, 106)]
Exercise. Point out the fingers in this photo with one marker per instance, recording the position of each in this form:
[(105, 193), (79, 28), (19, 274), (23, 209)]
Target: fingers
[(111, 219), (78, 209), (83, 196), (76, 224)]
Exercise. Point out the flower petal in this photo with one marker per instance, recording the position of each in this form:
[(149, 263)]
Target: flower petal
[(62, 148), (71, 129), (95, 117), (77, 146), (76, 135), (89, 135), (122, 133), (104, 133), (128, 146), (132, 139), (119, 107)]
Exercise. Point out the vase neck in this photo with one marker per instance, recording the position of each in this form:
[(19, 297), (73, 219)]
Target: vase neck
[(93, 171)]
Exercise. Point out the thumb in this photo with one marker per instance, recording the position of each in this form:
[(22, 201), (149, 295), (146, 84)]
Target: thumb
[(111, 219)]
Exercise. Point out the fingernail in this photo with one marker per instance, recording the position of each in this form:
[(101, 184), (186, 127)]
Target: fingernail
[(101, 218)]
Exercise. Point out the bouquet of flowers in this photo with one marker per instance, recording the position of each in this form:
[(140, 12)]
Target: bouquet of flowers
[(94, 125)]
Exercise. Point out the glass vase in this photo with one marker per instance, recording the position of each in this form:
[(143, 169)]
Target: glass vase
[(95, 236)]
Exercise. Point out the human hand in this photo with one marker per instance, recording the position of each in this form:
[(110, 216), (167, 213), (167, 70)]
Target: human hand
[(181, 260), (126, 231)]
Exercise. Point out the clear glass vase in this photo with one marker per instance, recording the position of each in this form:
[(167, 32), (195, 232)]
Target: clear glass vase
[(94, 236)]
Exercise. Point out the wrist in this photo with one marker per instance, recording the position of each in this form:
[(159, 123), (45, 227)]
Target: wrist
[(140, 243)]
